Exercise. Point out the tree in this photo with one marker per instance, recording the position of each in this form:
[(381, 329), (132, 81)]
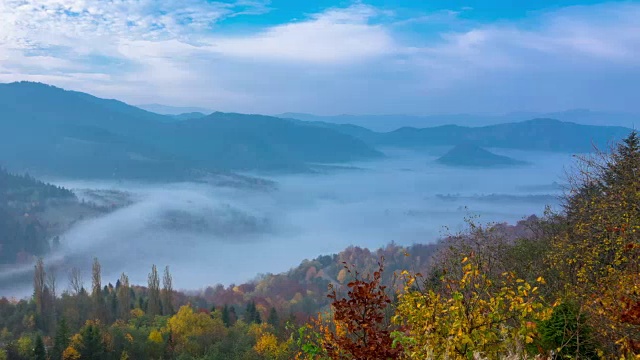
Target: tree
[(360, 328), (226, 318), (273, 318), (193, 332), (597, 257), (99, 307), (91, 347), (75, 281), (39, 285), (470, 314), (124, 297), (154, 304), (39, 352), (251, 314), (167, 292), (61, 340)]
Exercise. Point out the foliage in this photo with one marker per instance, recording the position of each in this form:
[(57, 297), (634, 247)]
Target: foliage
[(470, 315), (359, 327), (597, 257)]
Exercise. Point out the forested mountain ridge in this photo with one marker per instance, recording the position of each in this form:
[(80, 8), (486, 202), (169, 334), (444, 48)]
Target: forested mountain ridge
[(22, 233), (69, 133)]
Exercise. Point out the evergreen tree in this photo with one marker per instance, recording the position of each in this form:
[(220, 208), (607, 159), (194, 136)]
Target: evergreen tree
[(233, 317), (61, 340), (226, 316), (273, 319), (39, 352), (250, 312), (92, 347)]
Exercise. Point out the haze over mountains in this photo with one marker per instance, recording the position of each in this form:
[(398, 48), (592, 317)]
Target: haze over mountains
[(385, 123), (52, 131)]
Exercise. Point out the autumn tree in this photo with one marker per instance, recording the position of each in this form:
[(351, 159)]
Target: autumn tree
[(153, 288), (39, 278), (75, 281), (167, 292), (193, 333), (469, 314), (99, 306), (123, 294), (597, 258), (359, 327)]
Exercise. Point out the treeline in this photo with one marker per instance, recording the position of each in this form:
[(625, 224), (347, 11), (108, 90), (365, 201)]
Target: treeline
[(563, 286), (26, 189)]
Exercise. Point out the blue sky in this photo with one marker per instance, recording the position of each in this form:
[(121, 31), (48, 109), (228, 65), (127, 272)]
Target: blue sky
[(331, 57)]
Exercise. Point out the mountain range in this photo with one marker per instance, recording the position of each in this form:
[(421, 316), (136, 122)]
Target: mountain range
[(386, 123), (50, 131)]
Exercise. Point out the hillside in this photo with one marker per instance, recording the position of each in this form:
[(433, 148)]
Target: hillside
[(67, 133), (22, 197), (469, 155)]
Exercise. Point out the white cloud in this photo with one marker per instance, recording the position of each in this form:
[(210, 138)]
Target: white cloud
[(335, 36), (353, 59)]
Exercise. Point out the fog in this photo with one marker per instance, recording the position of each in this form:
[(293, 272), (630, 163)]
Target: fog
[(210, 235)]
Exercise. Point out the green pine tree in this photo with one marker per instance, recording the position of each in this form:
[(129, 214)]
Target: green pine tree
[(61, 340), (39, 352)]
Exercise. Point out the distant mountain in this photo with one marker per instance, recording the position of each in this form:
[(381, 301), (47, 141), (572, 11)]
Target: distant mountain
[(250, 142), (536, 134), (173, 110), (51, 131), (469, 155), (385, 123), (189, 116)]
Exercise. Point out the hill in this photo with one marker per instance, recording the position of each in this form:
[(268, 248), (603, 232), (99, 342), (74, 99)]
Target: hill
[(21, 232), (535, 134), (469, 155), (66, 133)]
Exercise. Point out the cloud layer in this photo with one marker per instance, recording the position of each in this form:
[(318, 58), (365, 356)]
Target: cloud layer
[(358, 59)]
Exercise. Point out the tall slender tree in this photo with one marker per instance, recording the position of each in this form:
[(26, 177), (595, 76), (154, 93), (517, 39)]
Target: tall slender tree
[(124, 297), (154, 306), (75, 281), (99, 308), (39, 278), (167, 292)]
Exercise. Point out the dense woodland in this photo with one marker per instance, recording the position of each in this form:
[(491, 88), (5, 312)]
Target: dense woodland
[(22, 197), (563, 286)]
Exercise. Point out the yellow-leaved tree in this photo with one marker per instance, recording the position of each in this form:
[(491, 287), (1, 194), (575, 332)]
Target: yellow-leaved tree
[(597, 258), (193, 333), (468, 315)]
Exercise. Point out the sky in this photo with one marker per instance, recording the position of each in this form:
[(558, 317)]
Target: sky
[(332, 57)]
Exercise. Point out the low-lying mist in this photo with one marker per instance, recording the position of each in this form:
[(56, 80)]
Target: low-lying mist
[(210, 235)]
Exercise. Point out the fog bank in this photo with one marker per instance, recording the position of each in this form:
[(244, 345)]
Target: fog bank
[(210, 235)]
